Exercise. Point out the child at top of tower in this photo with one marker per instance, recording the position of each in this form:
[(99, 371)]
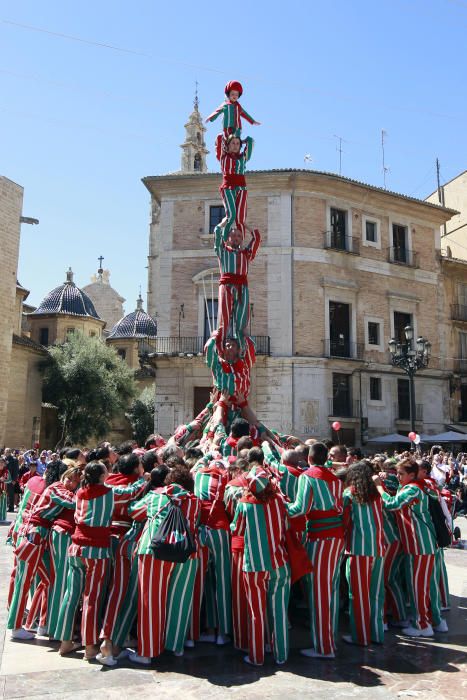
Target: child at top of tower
[(232, 111)]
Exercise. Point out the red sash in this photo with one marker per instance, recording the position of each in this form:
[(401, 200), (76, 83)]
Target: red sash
[(88, 536), (229, 181)]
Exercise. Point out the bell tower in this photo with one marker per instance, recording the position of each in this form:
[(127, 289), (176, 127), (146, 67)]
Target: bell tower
[(194, 149)]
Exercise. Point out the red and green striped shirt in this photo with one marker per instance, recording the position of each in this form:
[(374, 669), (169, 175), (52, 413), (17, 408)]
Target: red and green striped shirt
[(320, 498), (363, 523), (232, 113), (417, 532), (232, 377), (233, 164), (263, 527)]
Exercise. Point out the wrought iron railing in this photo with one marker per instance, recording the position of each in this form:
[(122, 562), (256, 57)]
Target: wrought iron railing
[(402, 256), (343, 349), (402, 411), (333, 240), (190, 346), (343, 408), (458, 312)]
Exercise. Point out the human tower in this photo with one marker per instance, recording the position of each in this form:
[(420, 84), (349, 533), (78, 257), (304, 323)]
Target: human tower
[(230, 352)]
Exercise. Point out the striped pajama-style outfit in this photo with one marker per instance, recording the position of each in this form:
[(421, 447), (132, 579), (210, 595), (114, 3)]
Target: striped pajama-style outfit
[(198, 591), (320, 498), (394, 567), (232, 377), (443, 581), (232, 113), (164, 588), (210, 483), (89, 561), (233, 493), (363, 523), (418, 542), (233, 189), (233, 303), (126, 488), (3, 496), (31, 551), (266, 574), (60, 542)]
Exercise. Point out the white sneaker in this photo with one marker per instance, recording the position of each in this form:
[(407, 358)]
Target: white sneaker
[(106, 660), (23, 634), (415, 632), (222, 639), (189, 644), (247, 660), (137, 659), (313, 654), (42, 631), (442, 627), (211, 638)]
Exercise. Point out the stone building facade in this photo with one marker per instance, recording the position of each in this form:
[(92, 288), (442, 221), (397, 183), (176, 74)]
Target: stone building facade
[(107, 301), (453, 194), (343, 267)]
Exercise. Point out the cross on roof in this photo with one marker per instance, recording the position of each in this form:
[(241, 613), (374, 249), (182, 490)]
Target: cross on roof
[(100, 258)]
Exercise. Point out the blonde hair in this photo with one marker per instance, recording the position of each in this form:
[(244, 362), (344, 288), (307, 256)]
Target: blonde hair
[(70, 473)]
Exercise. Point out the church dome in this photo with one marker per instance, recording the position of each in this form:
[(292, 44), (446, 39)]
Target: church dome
[(138, 324), (67, 299)]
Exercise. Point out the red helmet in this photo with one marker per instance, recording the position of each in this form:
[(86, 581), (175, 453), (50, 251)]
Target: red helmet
[(233, 85)]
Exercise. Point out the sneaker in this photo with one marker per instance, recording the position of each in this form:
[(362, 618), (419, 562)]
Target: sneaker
[(247, 660), (137, 659), (106, 660), (400, 623), (313, 654), (442, 627), (416, 632), (22, 634), (189, 644), (124, 654), (42, 631), (222, 639), (211, 638)]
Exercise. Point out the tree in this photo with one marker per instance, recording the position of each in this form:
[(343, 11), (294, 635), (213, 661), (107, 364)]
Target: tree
[(89, 384), (141, 415)]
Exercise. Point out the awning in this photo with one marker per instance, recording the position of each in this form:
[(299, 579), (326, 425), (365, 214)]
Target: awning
[(449, 436), (391, 439)]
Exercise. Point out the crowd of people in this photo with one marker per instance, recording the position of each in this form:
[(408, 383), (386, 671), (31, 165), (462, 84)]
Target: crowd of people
[(210, 536)]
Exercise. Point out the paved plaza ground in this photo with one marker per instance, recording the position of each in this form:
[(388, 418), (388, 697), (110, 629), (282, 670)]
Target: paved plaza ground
[(400, 668)]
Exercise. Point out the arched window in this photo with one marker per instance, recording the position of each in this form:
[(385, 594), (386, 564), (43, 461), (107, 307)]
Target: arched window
[(197, 163)]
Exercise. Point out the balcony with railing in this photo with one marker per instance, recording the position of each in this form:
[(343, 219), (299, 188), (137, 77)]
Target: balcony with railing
[(402, 256), (458, 312), (402, 411), (189, 346), (460, 366), (334, 240), (343, 349), (343, 407)]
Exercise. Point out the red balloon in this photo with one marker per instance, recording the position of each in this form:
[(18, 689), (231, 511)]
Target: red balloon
[(412, 436), (336, 425)]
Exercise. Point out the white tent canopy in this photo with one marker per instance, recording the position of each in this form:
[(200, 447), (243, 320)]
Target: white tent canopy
[(449, 436), (391, 439)]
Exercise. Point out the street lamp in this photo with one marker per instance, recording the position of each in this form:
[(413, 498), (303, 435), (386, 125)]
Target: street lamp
[(181, 314), (410, 357)]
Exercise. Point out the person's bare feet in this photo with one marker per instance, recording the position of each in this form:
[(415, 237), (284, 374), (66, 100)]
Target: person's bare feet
[(68, 647), (91, 651)]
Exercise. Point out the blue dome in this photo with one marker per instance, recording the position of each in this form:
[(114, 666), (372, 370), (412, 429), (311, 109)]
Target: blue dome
[(138, 324), (67, 299)]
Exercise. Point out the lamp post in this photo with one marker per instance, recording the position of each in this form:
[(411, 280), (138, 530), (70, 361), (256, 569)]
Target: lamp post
[(410, 357), (181, 314)]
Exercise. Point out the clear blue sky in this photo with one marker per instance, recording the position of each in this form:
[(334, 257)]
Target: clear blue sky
[(81, 124)]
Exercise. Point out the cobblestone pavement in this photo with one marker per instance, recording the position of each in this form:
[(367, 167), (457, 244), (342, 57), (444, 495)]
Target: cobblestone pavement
[(400, 668)]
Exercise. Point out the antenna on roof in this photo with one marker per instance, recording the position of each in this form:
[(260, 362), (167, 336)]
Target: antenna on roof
[(385, 168), (339, 149)]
